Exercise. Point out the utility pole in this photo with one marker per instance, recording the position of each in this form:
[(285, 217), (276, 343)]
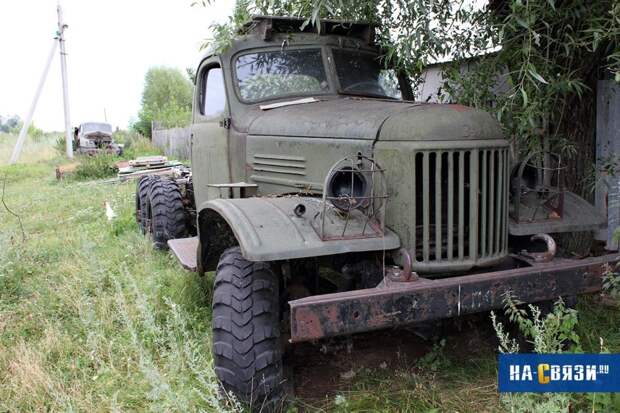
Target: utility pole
[(22, 133), (65, 87), (58, 40)]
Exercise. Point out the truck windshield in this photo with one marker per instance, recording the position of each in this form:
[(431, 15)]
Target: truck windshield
[(363, 74), (273, 74)]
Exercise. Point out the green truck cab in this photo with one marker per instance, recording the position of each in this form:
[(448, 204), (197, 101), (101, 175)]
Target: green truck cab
[(329, 202)]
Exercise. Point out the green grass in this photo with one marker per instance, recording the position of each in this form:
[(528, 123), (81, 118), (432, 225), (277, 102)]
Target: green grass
[(33, 151), (462, 384), (93, 319)]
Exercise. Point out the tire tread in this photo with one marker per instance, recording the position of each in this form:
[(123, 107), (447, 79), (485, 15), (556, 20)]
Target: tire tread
[(246, 334), (168, 213)]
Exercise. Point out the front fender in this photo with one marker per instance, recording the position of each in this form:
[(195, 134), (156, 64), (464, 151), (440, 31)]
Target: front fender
[(268, 229)]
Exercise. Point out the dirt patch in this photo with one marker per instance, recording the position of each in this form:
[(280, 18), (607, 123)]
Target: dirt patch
[(320, 370)]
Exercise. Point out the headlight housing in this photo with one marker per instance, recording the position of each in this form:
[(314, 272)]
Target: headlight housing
[(348, 187), (354, 200)]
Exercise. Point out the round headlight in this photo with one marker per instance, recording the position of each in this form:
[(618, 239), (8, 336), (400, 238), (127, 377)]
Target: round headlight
[(347, 189)]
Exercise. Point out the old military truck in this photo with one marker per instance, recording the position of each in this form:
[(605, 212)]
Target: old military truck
[(328, 202), (92, 138)]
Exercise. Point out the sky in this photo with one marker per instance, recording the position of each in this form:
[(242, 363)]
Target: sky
[(110, 46)]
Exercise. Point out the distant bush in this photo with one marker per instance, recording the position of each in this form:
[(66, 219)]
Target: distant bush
[(99, 166), (35, 133), (137, 145), (124, 137), (11, 124), (61, 145)]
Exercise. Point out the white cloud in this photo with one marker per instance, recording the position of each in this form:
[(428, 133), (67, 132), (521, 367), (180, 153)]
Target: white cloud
[(110, 45)]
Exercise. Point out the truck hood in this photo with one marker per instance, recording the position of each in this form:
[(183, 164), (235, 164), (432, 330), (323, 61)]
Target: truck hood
[(361, 118), (97, 135)]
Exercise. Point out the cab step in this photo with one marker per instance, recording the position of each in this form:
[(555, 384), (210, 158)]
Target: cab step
[(185, 249)]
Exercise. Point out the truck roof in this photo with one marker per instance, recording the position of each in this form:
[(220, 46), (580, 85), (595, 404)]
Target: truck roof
[(262, 29), (266, 26)]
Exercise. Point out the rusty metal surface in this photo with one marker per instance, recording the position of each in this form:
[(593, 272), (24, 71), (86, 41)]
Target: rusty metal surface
[(405, 303), (185, 249)]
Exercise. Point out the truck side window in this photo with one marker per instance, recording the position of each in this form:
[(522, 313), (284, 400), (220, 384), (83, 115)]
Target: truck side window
[(213, 96)]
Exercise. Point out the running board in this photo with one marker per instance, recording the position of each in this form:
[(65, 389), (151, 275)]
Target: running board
[(186, 251)]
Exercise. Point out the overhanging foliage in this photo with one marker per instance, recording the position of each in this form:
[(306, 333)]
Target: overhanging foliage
[(542, 53)]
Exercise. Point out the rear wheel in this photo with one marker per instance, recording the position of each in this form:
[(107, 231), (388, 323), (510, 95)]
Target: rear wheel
[(246, 331), (168, 217), (142, 201)]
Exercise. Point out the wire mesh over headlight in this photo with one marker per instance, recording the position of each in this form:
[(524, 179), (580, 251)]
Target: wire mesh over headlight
[(348, 188), (354, 199)]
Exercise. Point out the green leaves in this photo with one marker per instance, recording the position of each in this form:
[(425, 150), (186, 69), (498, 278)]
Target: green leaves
[(524, 95), (526, 62), (532, 71), (166, 99)]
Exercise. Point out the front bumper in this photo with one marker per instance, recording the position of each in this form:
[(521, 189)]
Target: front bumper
[(401, 303)]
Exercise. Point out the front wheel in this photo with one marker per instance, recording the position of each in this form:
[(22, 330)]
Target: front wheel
[(246, 331)]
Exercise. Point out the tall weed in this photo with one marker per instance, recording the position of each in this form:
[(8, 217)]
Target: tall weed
[(554, 332), (99, 166)]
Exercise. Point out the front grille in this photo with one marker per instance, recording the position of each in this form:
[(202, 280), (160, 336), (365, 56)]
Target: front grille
[(460, 208)]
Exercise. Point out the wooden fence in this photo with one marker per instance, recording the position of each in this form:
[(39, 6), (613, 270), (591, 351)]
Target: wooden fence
[(174, 142)]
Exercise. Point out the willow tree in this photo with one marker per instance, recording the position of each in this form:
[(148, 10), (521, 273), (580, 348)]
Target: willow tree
[(533, 63)]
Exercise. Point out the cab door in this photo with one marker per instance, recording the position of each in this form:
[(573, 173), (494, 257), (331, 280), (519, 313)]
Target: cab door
[(209, 134)]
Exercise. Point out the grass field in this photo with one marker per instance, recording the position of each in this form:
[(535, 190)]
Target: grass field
[(93, 319)]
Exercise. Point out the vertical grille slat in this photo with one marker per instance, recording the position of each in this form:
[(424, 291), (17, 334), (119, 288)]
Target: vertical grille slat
[(473, 201), (413, 231), (426, 208), (505, 207), (461, 210), (450, 209), (460, 205), (500, 191), (492, 183), (483, 204), (438, 183)]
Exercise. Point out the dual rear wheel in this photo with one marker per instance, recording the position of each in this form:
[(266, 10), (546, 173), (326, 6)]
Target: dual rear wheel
[(160, 211)]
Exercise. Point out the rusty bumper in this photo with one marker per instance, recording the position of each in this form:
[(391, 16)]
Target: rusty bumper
[(399, 304)]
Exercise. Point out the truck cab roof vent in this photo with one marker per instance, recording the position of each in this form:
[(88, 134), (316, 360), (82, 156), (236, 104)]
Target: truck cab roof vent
[(267, 26)]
